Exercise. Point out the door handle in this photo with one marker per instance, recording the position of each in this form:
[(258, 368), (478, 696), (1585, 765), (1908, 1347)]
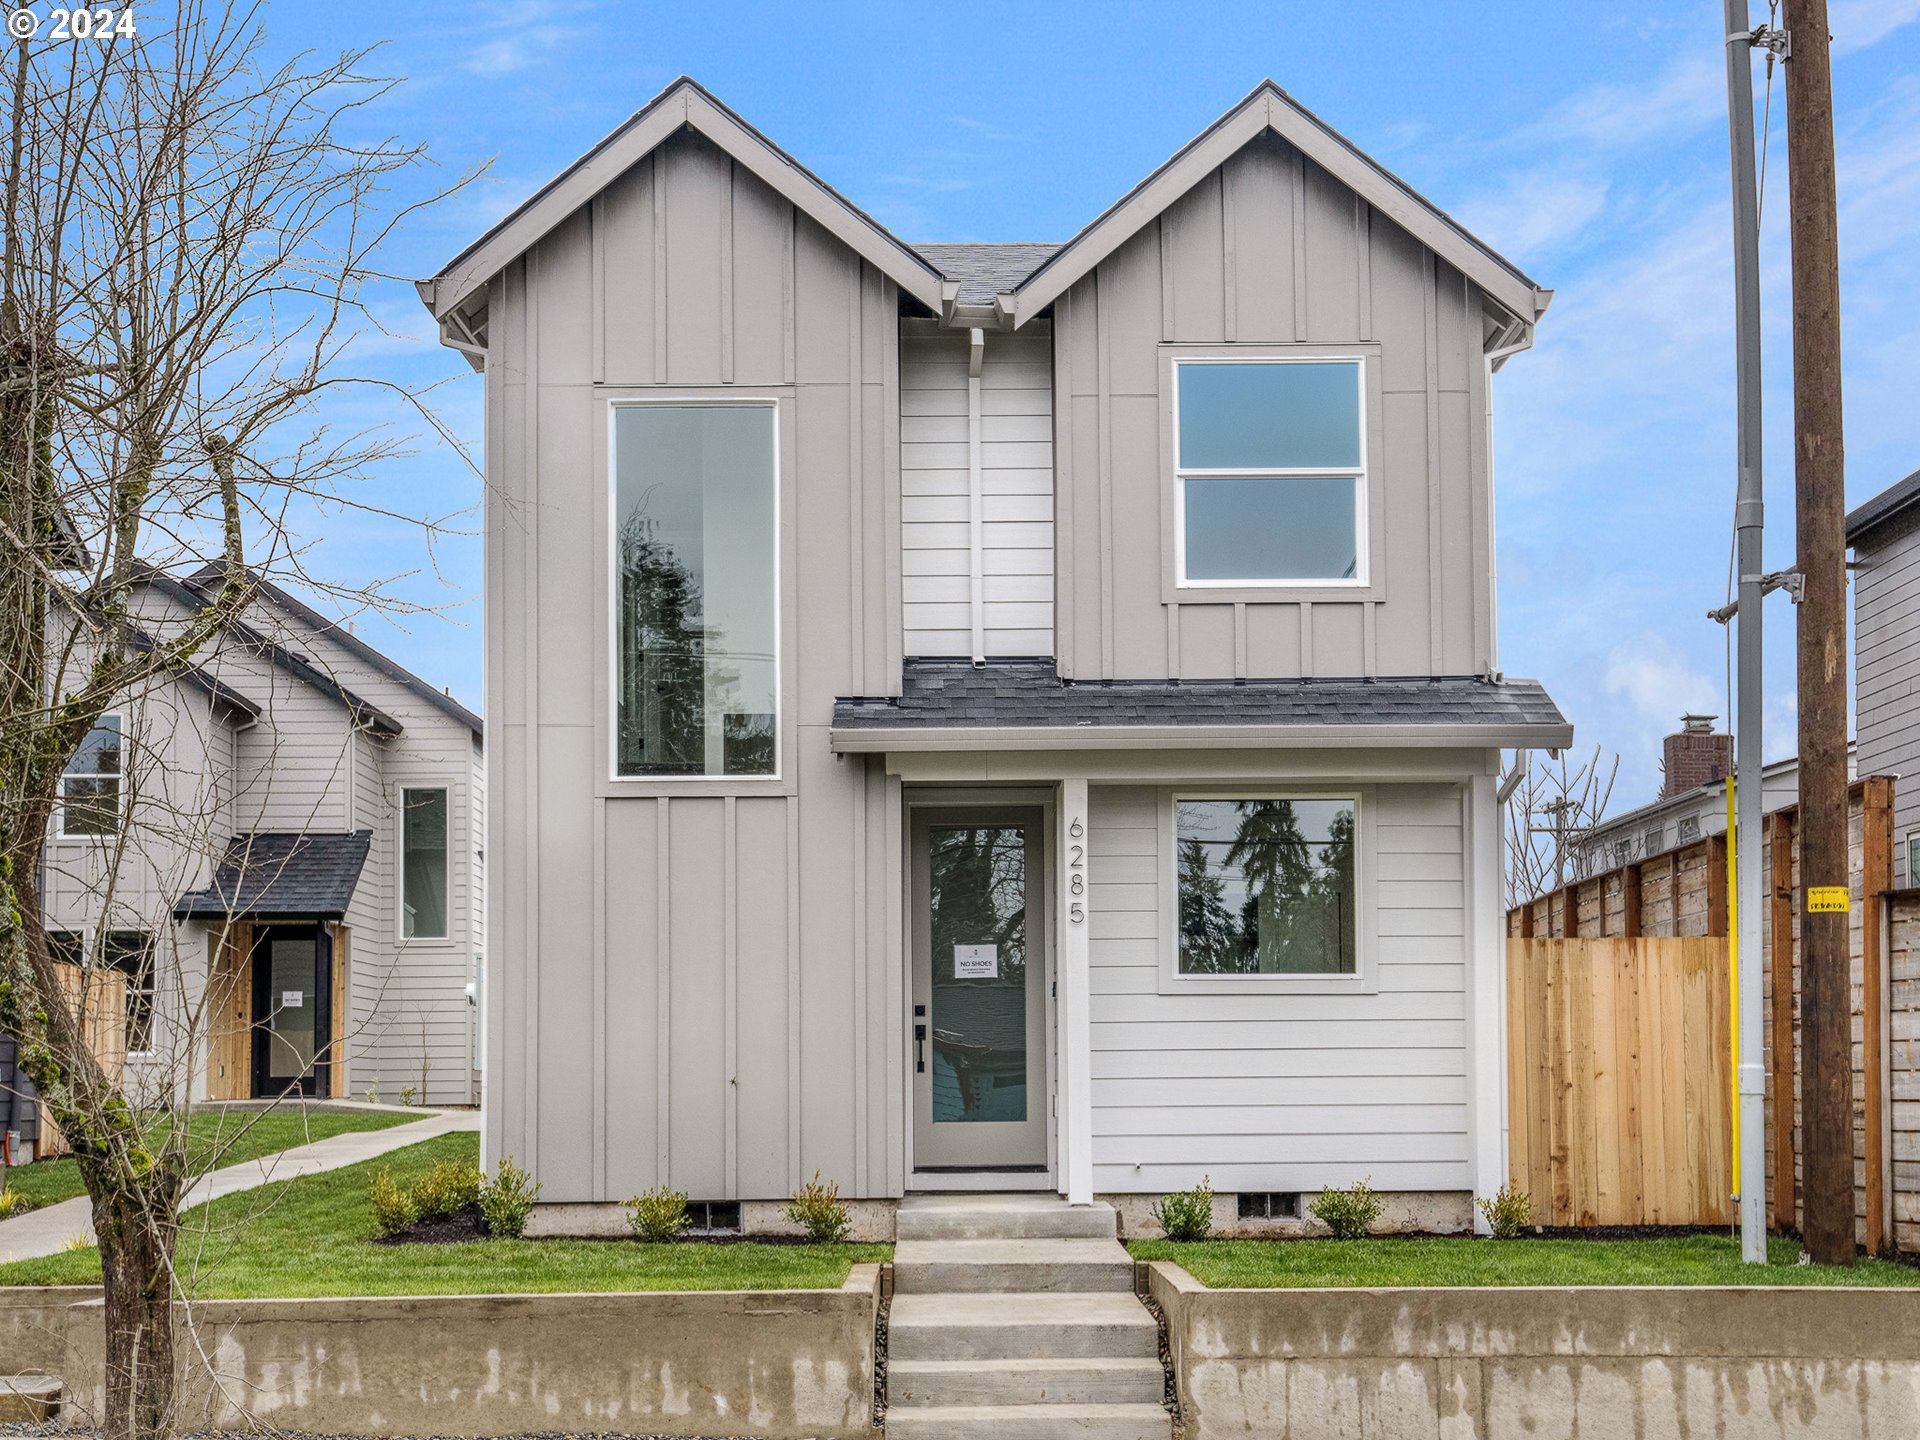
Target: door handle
[(919, 1054)]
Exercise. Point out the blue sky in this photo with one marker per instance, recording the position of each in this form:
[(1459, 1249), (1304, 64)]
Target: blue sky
[(1587, 144)]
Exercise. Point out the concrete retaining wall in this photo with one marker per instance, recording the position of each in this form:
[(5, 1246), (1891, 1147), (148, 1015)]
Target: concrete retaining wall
[(1561, 1364), (33, 1326), (789, 1363)]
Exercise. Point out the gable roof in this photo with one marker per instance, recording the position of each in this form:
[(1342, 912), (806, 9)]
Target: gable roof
[(281, 875), (212, 573), (1269, 108), (685, 104), (1895, 500)]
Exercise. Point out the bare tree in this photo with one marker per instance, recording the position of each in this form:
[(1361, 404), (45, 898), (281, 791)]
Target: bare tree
[(1553, 806), (189, 229)]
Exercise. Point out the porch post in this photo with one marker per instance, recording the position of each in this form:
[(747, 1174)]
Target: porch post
[(1076, 1039), (1486, 993)]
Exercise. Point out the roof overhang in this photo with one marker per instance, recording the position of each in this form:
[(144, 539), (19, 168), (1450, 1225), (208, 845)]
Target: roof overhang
[(685, 104), (1269, 108), (875, 739)]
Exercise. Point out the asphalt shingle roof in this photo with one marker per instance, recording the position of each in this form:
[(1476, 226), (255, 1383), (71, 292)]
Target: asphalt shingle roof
[(1023, 694), (1892, 501), (986, 270), (281, 874)]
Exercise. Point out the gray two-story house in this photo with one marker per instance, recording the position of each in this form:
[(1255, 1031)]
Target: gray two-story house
[(994, 716), (1884, 535)]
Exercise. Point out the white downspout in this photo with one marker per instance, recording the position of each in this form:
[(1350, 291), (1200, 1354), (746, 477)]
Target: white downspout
[(976, 501)]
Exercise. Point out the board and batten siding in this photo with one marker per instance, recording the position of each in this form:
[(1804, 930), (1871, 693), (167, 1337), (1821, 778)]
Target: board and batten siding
[(1288, 1091), (691, 983), (1016, 465), (1271, 250), (1886, 622)]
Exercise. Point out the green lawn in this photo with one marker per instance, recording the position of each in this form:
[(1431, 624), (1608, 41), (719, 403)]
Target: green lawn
[(219, 1135), (1322, 1264), (309, 1236)]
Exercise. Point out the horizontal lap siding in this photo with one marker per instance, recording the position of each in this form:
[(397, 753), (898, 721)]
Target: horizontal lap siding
[(1887, 675), (1016, 461), (686, 988), (1288, 1091)]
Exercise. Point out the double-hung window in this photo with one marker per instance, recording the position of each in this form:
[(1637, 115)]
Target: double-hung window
[(90, 790), (695, 590), (1270, 472)]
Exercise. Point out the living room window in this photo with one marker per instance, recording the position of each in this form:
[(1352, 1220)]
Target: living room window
[(1270, 472), (1267, 885), (90, 789), (695, 593)]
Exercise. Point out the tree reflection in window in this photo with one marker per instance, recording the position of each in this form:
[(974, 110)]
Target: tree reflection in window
[(1266, 887), (978, 892)]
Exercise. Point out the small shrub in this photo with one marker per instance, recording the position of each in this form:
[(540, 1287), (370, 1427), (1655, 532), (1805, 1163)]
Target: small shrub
[(393, 1206), (409, 1095), (818, 1207), (659, 1214), (1349, 1214), (452, 1186), (75, 1243), (1186, 1214), (12, 1202), (507, 1200), (373, 1094), (1508, 1211)]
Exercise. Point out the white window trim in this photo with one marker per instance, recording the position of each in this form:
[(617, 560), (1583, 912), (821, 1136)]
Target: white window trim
[(698, 784), (400, 863), (120, 805), (1362, 480), (1364, 980)]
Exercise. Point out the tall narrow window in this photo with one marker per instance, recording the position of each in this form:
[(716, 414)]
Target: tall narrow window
[(131, 953), (90, 788), (696, 609), (1266, 886), (423, 863), (1270, 469)]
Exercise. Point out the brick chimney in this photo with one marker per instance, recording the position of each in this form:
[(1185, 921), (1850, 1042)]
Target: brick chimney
[(1696, 756)]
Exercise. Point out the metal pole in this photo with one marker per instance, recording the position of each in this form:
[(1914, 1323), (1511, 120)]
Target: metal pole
[(1748, 520)]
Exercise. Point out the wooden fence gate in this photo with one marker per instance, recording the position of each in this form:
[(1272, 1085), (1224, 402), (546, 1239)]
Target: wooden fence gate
[(1618, 1076)]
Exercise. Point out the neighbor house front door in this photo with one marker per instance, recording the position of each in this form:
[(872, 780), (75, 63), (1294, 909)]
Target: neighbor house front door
[(979, 948), (292, 1005)]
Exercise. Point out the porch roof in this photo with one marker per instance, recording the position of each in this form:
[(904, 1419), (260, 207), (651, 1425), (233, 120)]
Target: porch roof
[(281, 875), (1025, 705)]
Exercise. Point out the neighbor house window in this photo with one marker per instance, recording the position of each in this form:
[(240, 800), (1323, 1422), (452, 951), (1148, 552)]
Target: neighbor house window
[(1913, 859), (696, 604), (90, 788), (131, 953), (1270, 471), (423, 863), (1266, 886)]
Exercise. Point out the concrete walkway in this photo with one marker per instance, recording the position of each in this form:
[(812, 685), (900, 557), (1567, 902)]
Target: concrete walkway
[(48, 1231)]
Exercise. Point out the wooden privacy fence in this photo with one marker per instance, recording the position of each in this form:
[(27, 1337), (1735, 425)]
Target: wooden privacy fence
[(1618, 1072), (100, 995)]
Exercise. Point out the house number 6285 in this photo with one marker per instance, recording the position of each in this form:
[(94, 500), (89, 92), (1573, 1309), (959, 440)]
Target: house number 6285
[(1076, 871)]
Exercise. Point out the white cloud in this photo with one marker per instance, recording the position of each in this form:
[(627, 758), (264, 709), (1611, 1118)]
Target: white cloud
[(1859, 24), (1688, 94), (1659, 683), (1534, 211)]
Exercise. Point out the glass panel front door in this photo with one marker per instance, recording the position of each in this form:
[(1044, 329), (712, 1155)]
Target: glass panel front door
[(292, 978), (979, 999)]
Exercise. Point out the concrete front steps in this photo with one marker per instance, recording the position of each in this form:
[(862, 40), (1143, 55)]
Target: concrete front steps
[(29, 1399), (1014, 1317)]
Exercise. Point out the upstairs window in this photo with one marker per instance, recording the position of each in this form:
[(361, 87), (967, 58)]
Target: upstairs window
[(90, 790), (696, 603), (1270, 472), (423, 863)]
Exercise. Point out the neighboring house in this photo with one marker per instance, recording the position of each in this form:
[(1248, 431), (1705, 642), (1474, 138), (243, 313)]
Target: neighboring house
[(1884, 535), (1692, 810), (297, 819), (993, 716)]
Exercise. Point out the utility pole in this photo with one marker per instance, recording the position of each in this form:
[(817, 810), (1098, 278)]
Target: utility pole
[(1826, 1086), (1748, 521)]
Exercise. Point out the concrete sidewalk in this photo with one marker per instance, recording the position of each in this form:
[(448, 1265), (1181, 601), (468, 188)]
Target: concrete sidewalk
[(48, 1231)]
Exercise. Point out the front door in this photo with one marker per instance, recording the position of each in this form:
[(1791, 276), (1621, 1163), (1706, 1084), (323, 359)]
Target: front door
[(979, 999), (292, 1004)]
